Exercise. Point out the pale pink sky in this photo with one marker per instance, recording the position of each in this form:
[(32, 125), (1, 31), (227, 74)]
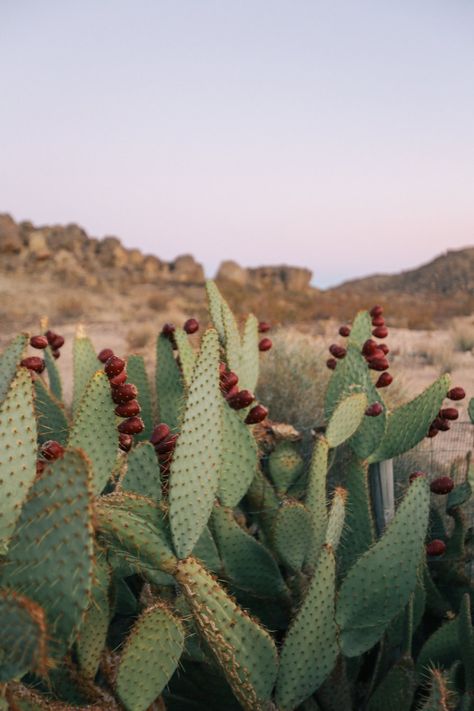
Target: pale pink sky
[(333, 135)]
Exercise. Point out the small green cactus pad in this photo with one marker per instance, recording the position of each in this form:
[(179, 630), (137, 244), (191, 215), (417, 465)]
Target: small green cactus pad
[(94, 429), (285, 465), (233, 346), (249, 355), (238, 458), (149, 658), (397, 689), (316, 498), (23, 643), (441, 649), (194, 474), (336, 518), (17, 451), (461, 494), (292, 532), (359, 531), (138, 376), (93, 631), (368, 599), (310, 648), (143, 472), (54, 378), (243, 649), (149, 510), (435, 602), (206, 551), (169, 384), (246, 561), (361, 329), (408, 424), (215, 309), (346, 419), (470, 409), (50, 415), (85, 364), (263, 501), (187, 355), (440, 697), (9, 360), (50, 556)]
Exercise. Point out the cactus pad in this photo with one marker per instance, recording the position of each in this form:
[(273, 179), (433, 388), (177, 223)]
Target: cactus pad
[(23, 643), (187, 355), (316, 498), (9, 360), (138, 376), (169, 384), (249, 355), (143, 472), (52, 421), (292, 533), (93, 631), (285, 465), (85, 363), (54, 378), (238, 458), (346, 419)]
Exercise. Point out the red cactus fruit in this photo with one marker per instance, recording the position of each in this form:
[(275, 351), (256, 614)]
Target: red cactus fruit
[(441, 424), (384, 380), (160, 432), (377, 353), (51, 450), (265, 344), (344, 331), (56, 354), (416, 475), (132, 426), (34, 363), (457, 393), (124, 393), (369, 347), (113, 366), (50, 335), (374, 410), (379, 364), (331, 363), (337, 351), (242, 399), (378, 321), (442, 485), (57, 342), (234, 390), (256, 414), (167, 445), (168, 329), (105, 354), (449, 413), (128, 409), (376, 311), (435, 547), (263, 327), (432, 432), (228, 380), (39, 342), (118, 379), (40, 467), (380, 332), (125, 442), (222, 368), (191, 326)]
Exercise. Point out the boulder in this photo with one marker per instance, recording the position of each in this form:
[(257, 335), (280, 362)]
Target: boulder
[(38, 248), (185, 268), (231, 271), (10, 238)]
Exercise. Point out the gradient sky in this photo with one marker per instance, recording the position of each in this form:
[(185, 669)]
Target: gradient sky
[(336, 134)]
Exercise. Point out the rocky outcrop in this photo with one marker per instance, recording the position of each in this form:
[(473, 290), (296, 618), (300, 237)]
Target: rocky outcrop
[(275, 278), (10, 237)]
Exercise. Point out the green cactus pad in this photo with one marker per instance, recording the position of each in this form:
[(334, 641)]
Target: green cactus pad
[(440, 697), (310, 648), (359, 531), (17, 451), (169, 384), (50, 415), (50, 556), (93, 631), (54, 378), (441, 649), (94, 430), (368, 599), (316, 498), (361, 329), (9, 360), (244, 651), (138, 376), (23, 643), (194, 474), (246, 561), (336, 518), (461, 494), (249, 355), (397, 689), (233, 346), (206, 551), (346, 419), (150, 656), (466, 642), (143, 472), (238, 458), (215, 309), (187, 355), (285, 465), (85, 364), (408, 424), (470, 409), (292, 532), (263, 502)]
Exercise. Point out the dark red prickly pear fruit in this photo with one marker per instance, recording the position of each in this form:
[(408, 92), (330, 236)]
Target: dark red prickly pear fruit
[(118, 379), (128, 409), (234, 390), (228, 380), (124, 393), (377, 353), (384, 348), (441, 424), (191, 326), (374, 410), (39, 342), (435, 547), (160, 432), (449, 413), (132, 426), (331, 363), (337, 351), (56, 354), (222, 368), (113, 366), (242, 399), (40, 467), (57, 342), (344, 331), (34, 363), (379, 364), (416, 475), (105, 354), (442, 485), (168, 329), (432, 432), (167, 445), (380, 332), (256, 414), (457, 393), (384, 380), (376, 311), (125, 442), (50, 335), (369, 347), (51, 450), (378, 321), (263, 327), (265, 344)]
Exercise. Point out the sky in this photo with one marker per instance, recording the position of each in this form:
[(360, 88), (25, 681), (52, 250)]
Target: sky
[(336, 135)]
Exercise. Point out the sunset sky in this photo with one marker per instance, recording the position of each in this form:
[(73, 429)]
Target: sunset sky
[(336, 134)]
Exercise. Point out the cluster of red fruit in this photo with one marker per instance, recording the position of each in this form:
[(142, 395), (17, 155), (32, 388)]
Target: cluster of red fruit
[(50, 451), (190, 326), (446, 414), (265, 343), (54, 340), (164, 443), (441, 486), (239, 399), (124, 396)]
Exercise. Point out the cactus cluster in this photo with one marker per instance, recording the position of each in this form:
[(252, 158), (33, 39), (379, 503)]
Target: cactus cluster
[(170, 547)]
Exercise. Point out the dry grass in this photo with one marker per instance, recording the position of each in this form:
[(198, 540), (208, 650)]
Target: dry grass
[(463, 337), (140, 337)]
